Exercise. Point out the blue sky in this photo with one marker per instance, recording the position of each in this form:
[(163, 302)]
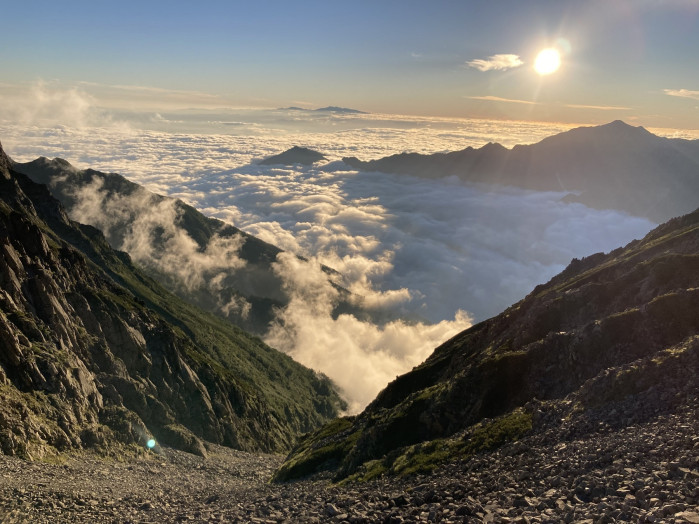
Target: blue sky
[(629, 59)]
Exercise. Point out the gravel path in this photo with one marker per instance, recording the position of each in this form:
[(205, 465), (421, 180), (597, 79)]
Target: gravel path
[(646, 472)]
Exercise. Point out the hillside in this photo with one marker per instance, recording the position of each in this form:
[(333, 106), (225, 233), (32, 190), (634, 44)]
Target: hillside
[(614, 338), (205, 261), (612, 166), (95, 353)]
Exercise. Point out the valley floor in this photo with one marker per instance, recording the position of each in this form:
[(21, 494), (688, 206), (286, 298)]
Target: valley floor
[(646, 472)]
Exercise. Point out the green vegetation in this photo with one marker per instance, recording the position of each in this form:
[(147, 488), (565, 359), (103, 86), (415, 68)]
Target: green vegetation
[(426, 456), (321, 450), (492, 435)]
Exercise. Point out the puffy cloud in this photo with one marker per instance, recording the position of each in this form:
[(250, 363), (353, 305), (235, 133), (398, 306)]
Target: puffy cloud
[(359, 356), (496, 62), (49, 103), (147, 227)]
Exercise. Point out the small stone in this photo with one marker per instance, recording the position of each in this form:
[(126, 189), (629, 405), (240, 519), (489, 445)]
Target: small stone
[(331, 510), (689, 516)]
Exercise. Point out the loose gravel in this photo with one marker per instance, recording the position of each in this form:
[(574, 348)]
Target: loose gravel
[(645, 472)]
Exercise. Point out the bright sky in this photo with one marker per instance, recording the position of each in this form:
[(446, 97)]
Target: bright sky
[(634, 60)]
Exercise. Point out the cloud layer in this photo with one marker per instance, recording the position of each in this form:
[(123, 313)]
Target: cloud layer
[(436, 253)]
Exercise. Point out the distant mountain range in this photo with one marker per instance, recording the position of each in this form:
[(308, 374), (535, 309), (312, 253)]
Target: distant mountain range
[(613, 166), (94, 353), (613, 339), (328, 109)]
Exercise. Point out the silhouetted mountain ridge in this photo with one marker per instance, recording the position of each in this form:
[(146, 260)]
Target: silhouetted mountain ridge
[(612, 166)]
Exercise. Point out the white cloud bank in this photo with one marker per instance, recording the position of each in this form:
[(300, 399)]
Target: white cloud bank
[(427, 250), (500, 62), (360, 357)]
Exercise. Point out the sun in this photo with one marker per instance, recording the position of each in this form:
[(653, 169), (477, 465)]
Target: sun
[(547, 61)]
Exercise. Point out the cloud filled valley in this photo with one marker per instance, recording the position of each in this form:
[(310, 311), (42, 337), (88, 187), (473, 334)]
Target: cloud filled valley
[(434, 256)]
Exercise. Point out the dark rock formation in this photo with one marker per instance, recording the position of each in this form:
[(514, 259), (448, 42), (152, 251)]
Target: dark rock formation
[(93, 352)]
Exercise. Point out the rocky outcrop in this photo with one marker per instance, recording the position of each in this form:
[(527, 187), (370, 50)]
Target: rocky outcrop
[(5, 164), (93, 352), (610, 330)]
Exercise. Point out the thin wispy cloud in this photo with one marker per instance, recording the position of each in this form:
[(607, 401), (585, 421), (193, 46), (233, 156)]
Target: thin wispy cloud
[(600, 108), (682, 93), (496, 62), (490, 98)]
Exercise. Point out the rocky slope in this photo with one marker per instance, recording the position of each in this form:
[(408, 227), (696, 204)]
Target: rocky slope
[(611, 331), (646, 472), (94, 353), (172, 242), (613, 166)]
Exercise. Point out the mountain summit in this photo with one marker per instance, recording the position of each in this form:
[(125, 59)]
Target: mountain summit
[(5, 164), (295, 155)]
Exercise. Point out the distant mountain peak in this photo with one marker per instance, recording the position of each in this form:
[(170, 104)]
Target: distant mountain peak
[(336, 109), (610, 166), (326, 109), (620, 125), (295, 155)]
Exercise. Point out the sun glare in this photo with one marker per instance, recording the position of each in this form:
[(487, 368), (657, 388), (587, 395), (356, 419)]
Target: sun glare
[(547, 61)]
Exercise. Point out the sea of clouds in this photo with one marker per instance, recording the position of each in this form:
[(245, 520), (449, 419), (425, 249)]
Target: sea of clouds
[(436, 253)]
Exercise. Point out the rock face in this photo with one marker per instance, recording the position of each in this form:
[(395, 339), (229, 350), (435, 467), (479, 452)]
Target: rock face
[(613, 166), (615, 333), (295, 155), (93, 352)]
